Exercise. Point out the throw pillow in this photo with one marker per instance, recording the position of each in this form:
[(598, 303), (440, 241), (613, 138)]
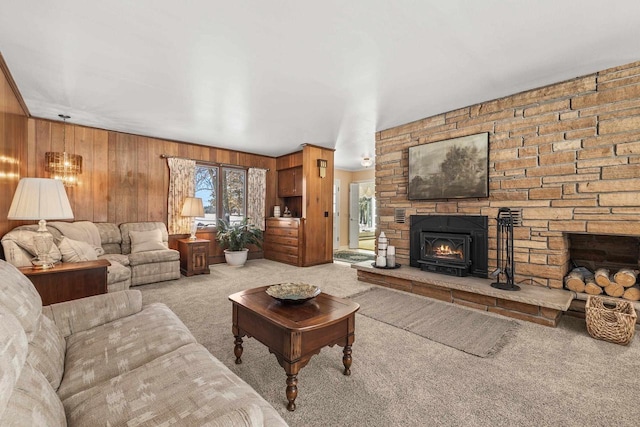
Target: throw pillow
[(143, 241), (76, 251)]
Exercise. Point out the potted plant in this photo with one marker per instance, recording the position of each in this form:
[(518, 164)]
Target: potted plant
[(236, 237)]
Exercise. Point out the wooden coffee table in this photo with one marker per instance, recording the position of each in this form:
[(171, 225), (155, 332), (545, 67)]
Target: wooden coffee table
[(294, 333)]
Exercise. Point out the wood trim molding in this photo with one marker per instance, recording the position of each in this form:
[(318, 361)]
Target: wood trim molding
[(317, 146), (12, 84)]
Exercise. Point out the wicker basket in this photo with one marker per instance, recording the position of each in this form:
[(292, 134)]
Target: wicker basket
[(609, 320)]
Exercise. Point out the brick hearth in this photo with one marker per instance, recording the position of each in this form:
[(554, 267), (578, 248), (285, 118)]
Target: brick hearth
[(531, 303)]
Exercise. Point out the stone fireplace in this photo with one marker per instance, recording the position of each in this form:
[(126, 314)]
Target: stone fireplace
[(565, 155), (450, 244)]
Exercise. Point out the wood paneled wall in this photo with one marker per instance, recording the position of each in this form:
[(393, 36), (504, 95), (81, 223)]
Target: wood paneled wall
[(124, 179), (13, 138)]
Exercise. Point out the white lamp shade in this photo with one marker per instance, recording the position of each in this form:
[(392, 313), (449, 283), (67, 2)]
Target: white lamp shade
[(40, 198), (192, 207)]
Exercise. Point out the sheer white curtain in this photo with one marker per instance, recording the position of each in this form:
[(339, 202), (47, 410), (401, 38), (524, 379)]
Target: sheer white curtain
[(256, 197), (181, 184)]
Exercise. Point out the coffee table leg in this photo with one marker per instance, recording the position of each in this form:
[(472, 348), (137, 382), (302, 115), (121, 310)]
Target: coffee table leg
[(237, 350), (346, 359), (292, 391)]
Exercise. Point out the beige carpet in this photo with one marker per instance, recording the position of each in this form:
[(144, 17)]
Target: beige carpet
[(471, 331), (542, 377)]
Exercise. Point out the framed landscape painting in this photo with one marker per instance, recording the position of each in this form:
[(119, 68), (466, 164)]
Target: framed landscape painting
[(450, 169)]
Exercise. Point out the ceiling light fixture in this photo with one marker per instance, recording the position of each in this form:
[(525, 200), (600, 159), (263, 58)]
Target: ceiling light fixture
[(366, 161), (63, 166)]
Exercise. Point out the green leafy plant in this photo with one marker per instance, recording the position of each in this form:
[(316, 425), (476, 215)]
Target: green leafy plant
[(236, 237)]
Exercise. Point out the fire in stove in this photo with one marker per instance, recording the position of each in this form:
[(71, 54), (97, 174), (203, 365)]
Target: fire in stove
[(445, 251)]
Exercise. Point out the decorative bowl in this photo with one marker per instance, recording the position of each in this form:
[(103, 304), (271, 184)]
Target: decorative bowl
[(293, 293)]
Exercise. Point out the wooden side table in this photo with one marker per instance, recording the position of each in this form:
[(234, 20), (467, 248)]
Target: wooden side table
[(69, 280), (194, 256), (294, 333)]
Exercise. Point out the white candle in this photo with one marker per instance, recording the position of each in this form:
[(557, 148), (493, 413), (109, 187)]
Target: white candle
[(381, 261), (391, 261), (391, 250)]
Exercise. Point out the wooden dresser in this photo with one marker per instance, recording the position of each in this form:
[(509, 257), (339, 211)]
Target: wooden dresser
[(283, 240)]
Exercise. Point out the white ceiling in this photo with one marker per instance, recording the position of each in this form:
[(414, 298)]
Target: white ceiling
[(266, 76)]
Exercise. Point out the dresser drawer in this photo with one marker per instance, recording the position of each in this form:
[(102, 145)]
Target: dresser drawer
[(275, 248), (281, 240), (282, 232), (283, 223)]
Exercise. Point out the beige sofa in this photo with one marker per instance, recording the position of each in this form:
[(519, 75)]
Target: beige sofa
[(154, 262), (109, 360)]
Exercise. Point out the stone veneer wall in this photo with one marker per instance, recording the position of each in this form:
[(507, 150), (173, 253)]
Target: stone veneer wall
[(567, 155)]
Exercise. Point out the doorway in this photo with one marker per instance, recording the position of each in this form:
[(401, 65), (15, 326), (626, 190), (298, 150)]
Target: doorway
[(362, 215)]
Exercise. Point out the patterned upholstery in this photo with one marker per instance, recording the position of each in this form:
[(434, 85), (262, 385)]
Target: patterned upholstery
[(13, 354), (26, 397), (109, 235), (119, 258), (104, 352), (20, 298), (79, 315), (46, 352), (151, 266), (33, 402), (126, 269), (140, 226), (190, 391), (18, 245), (153, 257), (123, 364)]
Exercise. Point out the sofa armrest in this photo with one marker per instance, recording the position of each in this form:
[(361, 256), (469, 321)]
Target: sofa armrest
[(86, 313)]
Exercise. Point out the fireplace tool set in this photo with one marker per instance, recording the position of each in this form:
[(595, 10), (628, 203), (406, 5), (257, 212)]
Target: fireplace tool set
[(505, 266)]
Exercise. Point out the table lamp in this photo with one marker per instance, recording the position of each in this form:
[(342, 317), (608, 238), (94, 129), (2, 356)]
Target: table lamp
[(193, 208), (40, 199)]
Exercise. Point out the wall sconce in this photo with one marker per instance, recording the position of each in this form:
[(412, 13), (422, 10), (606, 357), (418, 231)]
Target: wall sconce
[(322, 165)]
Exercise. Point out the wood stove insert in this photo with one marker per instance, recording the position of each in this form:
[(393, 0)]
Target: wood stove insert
[(450, 244), (445, 253)]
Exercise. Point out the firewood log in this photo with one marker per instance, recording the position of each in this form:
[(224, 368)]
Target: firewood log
[(614, 290), (592, 289), (626, 277), (574, 281), (632, 294), (602, 277)]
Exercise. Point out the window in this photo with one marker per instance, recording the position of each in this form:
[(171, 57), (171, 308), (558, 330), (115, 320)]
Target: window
[(223, 193)]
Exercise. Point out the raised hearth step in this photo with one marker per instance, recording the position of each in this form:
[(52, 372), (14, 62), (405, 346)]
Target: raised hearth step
[(532, 303)]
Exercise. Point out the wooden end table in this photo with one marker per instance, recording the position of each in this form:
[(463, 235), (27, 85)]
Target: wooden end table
[(294, 333), (194, 256), (67, 281)]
